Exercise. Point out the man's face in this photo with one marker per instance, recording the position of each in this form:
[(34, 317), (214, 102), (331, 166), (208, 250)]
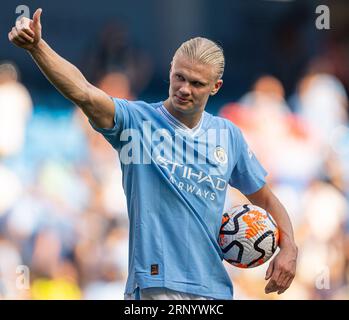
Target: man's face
[(191, 83)]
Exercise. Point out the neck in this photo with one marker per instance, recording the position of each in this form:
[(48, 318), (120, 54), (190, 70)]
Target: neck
[(190, 120)]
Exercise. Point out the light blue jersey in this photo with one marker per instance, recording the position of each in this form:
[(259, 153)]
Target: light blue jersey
[(175, 181)]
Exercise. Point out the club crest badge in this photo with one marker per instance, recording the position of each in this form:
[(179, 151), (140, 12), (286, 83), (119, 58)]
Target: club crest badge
[(220, 155)]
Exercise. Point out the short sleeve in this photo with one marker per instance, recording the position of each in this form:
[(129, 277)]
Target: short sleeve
[(248, 175), (121, 122)]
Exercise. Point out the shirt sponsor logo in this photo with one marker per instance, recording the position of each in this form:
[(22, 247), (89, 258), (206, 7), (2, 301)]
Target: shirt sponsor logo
[(191, 181)]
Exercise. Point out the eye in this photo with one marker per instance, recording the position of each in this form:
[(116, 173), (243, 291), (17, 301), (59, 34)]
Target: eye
[(197, 84), (179, 77)]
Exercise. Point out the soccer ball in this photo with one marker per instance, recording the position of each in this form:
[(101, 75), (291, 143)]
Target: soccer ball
[(248, 236)]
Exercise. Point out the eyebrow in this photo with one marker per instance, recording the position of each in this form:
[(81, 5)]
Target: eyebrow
[(191, 80)]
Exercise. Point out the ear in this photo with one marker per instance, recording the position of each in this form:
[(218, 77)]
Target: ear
[(216, 87)]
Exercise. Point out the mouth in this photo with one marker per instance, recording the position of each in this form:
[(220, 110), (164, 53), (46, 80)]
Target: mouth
[(181, 100)]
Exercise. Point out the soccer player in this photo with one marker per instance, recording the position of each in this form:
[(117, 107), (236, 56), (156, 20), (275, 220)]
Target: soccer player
[(177, 161)]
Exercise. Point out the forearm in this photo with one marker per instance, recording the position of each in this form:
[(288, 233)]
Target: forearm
[(61, 73), (266, 199), (95, 103), (279, 213)]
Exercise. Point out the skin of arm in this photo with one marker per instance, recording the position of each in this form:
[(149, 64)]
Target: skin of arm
[(67, 79)]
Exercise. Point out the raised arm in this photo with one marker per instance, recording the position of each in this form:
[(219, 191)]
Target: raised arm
[(68, 80)]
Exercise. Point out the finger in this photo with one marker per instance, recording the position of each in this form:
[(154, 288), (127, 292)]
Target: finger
[(276, 275), (22, 23), (283, 278), (16, 42), (24, 36), (271, 286), (29, 32), (37, 17), (270, 270), (286, 286), (281, 283), (16, 37), (23, 40)]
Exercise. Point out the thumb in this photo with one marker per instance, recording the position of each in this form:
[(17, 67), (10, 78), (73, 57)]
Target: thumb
[(270, 270), (36, 18)]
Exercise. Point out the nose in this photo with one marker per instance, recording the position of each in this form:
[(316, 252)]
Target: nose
[(184, 90)]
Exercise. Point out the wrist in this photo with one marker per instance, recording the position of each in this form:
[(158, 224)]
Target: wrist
[(36, 47), (288, 244)]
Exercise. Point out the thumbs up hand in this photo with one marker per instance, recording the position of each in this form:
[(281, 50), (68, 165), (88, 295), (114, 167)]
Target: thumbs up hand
[(26, 33)]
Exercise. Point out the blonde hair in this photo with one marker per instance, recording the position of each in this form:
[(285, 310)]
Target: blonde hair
[(205, 51)]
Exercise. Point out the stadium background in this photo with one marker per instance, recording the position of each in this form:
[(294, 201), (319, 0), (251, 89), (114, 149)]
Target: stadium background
[(62, 208)]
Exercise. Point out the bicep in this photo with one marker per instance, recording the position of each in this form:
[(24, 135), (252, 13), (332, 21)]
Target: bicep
[(98, 107), (260, 198)]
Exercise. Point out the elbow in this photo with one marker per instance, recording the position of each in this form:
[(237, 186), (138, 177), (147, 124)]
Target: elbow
[(81, 97)]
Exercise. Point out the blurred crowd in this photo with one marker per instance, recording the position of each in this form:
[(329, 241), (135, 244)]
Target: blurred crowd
[(63, 215), (62, 208)]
